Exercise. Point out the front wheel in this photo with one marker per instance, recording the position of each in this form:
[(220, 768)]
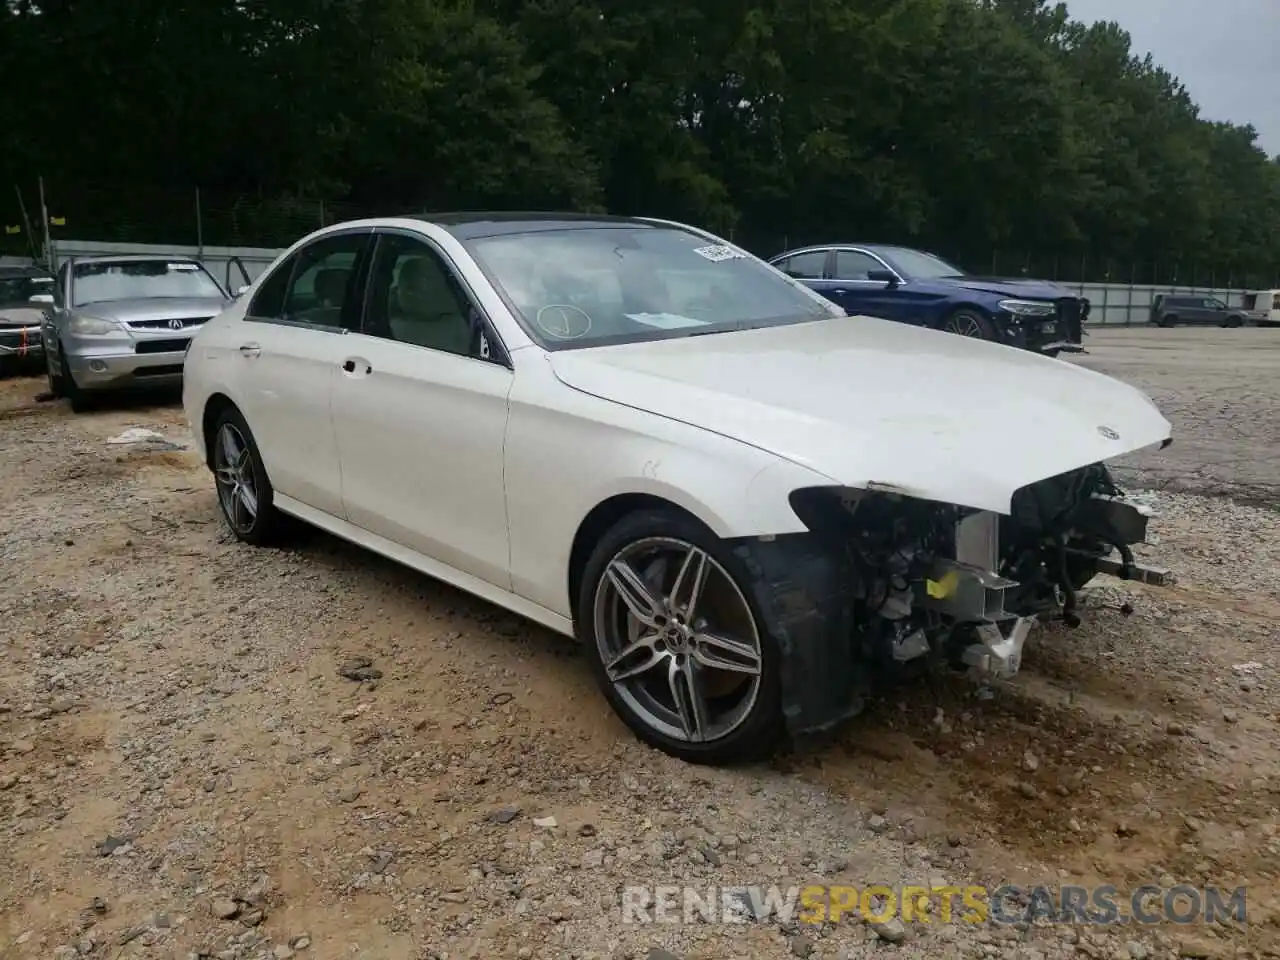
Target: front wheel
[(969, 323), (82, 401), (245, 495), (676, 642), (56, 387)]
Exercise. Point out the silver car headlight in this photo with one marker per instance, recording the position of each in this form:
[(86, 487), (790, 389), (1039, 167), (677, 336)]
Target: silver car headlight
[(94, 327), (1028, 308)]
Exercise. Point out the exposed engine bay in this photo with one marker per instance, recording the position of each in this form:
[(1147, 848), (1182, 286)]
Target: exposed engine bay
[(938, 581)]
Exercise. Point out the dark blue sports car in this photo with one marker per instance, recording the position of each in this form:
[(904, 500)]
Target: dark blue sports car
[(910, 286)]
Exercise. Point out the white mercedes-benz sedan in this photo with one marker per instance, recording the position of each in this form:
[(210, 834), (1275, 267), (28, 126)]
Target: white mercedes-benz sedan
[(749, 507)]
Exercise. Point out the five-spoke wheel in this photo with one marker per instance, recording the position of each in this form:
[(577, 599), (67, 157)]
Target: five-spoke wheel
[(679, 648), (233, 471), (244, 492)]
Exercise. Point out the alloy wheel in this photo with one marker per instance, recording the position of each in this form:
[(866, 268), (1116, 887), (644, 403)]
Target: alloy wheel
[(965, 324), (677, 639), (233, 471)]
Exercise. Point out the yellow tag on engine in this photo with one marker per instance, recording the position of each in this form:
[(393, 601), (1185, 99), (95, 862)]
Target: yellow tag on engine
[(941, 589)]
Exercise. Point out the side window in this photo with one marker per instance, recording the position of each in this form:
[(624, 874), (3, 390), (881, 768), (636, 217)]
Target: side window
[(415, 298), (268, 301), (804, 266), (322, 284), (1213, 304), (60, 288), (854, 265)]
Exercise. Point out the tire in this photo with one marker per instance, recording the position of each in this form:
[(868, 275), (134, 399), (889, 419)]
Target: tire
[(740, 717), (254, 521), (82, 401), (1080, 572), (56, 386), (1233, 322), (1169, 321), (967, 322)]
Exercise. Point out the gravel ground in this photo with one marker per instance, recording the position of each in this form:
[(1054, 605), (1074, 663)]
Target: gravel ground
[(184, 771), (1221, 389)]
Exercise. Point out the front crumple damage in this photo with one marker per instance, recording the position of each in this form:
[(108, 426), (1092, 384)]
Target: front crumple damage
[(884, 583)]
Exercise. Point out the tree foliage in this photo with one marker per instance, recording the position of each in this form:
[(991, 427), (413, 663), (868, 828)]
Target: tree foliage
[(959, 125)]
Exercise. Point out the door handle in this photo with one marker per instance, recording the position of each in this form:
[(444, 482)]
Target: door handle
[(349, 365), (250, 350), (839, 290)]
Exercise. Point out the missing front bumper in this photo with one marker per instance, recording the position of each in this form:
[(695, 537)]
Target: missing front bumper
[(997, 654)]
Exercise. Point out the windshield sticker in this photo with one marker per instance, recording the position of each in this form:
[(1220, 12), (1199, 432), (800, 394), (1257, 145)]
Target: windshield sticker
[(189, 267), (718, 252), (563, 321), (665, 321)]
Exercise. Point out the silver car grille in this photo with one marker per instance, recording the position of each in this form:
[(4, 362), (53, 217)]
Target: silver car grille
[(167, 323)]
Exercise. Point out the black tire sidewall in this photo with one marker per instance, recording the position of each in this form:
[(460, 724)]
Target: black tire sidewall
[(81, 400), (55, 380), (759, 734), (266, 522)]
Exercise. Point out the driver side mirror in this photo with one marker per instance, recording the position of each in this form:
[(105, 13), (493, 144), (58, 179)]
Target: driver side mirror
[(883, 276), (41, 298)]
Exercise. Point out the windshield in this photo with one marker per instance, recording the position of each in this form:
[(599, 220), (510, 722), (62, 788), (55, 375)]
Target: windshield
[(919, 265), (22, 289), (134, 279), (605, 285)]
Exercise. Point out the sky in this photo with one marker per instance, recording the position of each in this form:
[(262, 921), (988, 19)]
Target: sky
[(1225, 52)]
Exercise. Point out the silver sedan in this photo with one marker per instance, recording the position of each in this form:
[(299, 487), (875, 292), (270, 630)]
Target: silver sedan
[(124, 321)]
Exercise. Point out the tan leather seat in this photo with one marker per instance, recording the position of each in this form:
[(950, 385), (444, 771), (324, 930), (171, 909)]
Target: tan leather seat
[(425, 308)]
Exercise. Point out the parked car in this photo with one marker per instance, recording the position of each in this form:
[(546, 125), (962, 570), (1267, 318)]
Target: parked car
[(124, 321), (744, 503), (1168, 310), (21, 342), (911, 286), (1262, 308)]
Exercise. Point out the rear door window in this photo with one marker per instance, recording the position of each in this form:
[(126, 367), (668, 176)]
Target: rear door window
[(804, 266)]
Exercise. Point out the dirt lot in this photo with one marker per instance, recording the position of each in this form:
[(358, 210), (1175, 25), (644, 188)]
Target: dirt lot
[(176, 741)]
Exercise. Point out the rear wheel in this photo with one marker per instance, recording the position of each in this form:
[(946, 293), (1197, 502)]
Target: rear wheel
[(677, 644), (969, 323)]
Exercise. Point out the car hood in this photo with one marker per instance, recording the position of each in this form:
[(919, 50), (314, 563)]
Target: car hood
[(154, 308), (881, 405), (1008, 287), (23, 316)]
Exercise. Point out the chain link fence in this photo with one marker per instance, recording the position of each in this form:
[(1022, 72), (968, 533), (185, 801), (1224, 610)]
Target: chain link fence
[(201, 218)]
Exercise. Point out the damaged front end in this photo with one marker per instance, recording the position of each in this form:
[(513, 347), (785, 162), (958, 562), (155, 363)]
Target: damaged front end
[(921, 581)]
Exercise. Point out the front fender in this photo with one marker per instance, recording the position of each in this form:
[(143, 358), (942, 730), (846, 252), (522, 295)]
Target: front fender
[(564, 460)]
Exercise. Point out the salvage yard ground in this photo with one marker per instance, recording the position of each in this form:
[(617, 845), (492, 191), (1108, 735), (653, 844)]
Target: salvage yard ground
[(184, 771)]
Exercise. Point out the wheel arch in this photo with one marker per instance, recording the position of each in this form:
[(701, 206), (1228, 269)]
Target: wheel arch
[(953, 307), (213, 408), (605, 515), (761, 506)]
